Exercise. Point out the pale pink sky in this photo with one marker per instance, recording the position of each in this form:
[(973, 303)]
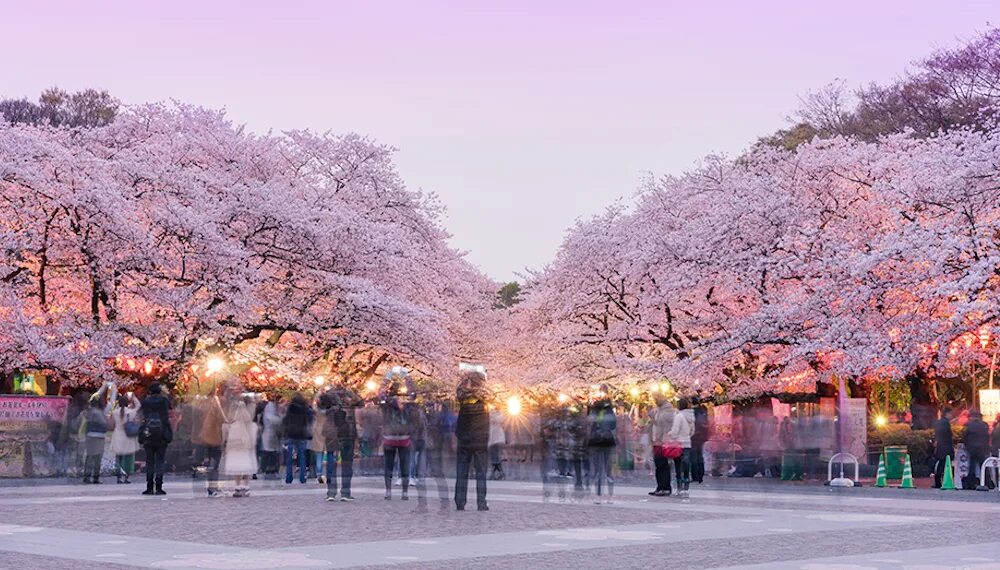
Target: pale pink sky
[(521, 115)]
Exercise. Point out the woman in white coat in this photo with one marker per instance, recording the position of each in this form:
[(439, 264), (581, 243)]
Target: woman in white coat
[(239, 457), (270, 444), (125, 436), (681, 432)]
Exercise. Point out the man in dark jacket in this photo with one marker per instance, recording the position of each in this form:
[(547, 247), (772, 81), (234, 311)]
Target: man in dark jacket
[(473, 434), (154, 435), (296, 427), (977, 443), (944, 445), (340, 433)]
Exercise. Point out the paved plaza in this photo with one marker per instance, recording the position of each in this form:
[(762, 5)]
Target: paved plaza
[(111, 526)]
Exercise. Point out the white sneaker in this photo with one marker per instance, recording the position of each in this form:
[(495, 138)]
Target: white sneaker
[(414, 481), (399, 482)]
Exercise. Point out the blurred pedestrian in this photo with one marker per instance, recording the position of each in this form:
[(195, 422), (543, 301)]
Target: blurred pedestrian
[(270, 442), (497, 442), (661, 422), (397, 433), (603, 426), (125, 436), (944, 445), (155, 435), (317, 445), (977, 443), (473, 434), (96, 430), (212, 440), (239, 459), (295, 426), (681, 433)]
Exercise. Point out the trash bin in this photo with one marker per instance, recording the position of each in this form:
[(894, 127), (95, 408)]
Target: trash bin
[(792, 463), (895, 459)]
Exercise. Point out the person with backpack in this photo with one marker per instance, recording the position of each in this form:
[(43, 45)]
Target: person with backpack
[(125, 436), (473, 434), (296, 426), (603, 426), (96, 430), (155, 434)]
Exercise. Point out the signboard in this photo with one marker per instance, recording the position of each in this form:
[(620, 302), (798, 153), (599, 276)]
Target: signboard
[(854, 429), (29, 416), (989, 404), (24, 424)]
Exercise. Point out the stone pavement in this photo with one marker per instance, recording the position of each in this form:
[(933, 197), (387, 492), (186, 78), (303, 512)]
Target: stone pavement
[(111, 526)]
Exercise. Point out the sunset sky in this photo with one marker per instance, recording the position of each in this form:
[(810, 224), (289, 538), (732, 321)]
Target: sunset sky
[(522, 115)]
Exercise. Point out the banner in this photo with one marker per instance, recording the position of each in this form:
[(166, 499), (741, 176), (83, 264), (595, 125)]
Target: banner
[(25, 423), (989, 404), (854, 429)]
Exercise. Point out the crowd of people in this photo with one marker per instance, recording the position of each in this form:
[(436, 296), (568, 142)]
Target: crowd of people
[(415, 440)]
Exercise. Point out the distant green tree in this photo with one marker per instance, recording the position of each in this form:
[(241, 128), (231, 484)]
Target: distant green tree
[(508, 295), (59, 108)]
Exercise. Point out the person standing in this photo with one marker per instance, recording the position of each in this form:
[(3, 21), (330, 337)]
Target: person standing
[(601, 443), (212, 439), (270, 442), (340, 433), (295, 426), (96, 433), (397, 433), (944, 445), (418, 422), (497, 441), (473, 434), (701, 435), (317, 445), (239, 458), (661, 422), (125, 436), (155, 434), (977, 443), (681, 433)]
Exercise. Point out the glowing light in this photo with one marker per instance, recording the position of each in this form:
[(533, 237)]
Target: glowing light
[(148, 367), (563, 398), (881, 421), (214, 364), (319, 380), (665, 387), (634, 392), (371, 385), (513, 405), (403, 390), (655, 388)]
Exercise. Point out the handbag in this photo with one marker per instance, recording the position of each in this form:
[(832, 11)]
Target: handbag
[(669, 451), (131, 428)]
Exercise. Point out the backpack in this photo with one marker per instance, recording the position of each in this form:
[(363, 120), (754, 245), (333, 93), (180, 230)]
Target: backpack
[(152, 432), (602, 432)]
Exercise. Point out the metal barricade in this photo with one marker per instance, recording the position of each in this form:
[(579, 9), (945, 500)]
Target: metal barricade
[(993, 462), (842, 481)]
